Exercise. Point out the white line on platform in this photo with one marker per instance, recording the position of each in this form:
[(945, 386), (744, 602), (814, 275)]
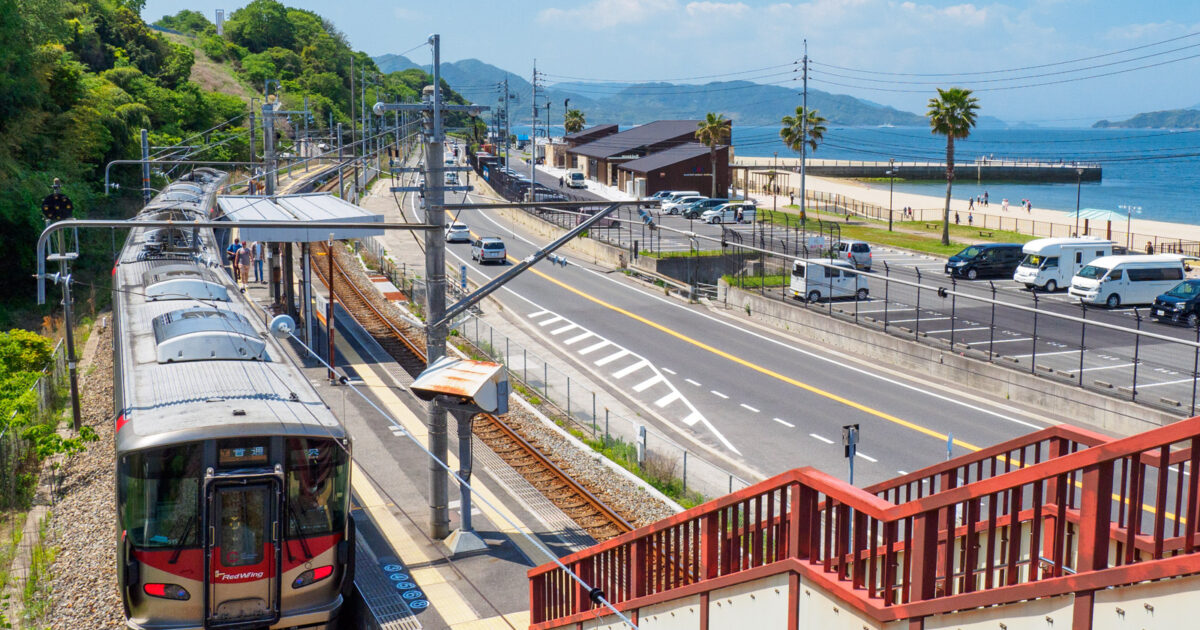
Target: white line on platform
[(577, 338), (784, 423), (668, 399), (612, 357), (626, 371), (692, 382), (559, 331), (748, 407), (552, 320), (825, 440), (648, 383), (594, 347), (717, 393)]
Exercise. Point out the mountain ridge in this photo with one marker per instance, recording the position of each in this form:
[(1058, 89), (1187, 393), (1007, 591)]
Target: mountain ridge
[(1186, 118)]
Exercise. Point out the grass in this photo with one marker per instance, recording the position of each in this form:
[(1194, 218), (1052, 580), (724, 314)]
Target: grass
[(754, 282), (680, 253), (36, 594)]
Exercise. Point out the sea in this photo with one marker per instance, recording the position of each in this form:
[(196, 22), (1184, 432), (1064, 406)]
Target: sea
[(1155, 170)]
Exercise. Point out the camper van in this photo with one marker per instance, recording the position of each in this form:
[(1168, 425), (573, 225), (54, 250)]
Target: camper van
[(1116, 280), (817, 278), (1050, 263)]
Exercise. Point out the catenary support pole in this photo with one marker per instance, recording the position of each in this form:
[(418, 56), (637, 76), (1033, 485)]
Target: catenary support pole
[(145, 168), (435, 297)]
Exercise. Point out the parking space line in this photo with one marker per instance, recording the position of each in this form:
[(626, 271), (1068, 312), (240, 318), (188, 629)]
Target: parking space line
[(612, 357), (1045, 354), (887, 310), (1182, 380), (626, 371), (594, 347), (915, 319), (717, 393), (577, 338), (1109, 367), (559, 331), (648, 383), (825, 440), (979, 343), (668, 399), (784, 423), (748, 407), (937, 332)]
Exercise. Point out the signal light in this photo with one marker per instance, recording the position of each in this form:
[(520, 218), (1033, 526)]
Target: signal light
[(167, 591), (312, 575)]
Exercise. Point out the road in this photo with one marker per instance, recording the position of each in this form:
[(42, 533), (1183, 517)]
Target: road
[(762, 397)]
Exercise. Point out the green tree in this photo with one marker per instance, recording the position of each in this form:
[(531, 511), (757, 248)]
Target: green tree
[(260, 25), (574, 121), (951, 114), (804, 130), (714, 130), (186, 21)]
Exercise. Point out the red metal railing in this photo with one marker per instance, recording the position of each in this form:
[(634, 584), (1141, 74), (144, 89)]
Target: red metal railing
[(1060, 510)]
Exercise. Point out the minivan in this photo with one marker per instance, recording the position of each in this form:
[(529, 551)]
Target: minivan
[(1050, 263), (857, 253), (816, 278), (737, 212), (985, 259), (1180, 305), (1137, 279), (489, 248)]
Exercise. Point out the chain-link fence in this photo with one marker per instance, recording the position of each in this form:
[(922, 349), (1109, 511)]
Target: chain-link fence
[(18, 457)]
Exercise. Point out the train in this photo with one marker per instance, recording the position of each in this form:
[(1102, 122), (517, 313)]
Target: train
[(232, 475)]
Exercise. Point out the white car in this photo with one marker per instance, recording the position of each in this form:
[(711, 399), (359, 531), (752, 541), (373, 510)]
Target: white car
[(677, 206), (458, 233), (730, 213), (489, 248)]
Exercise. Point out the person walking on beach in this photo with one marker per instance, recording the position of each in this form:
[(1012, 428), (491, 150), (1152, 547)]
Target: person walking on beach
[(985, 198), (1004, 205), (970, 203), (1028, 206), (970, 218), (956, 221)]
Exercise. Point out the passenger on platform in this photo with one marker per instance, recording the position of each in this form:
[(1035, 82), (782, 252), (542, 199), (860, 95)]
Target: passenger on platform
[(232, 250), (256, 251), (244, 260)]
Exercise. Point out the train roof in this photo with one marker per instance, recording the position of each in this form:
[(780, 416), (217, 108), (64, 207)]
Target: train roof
[(195, 358)]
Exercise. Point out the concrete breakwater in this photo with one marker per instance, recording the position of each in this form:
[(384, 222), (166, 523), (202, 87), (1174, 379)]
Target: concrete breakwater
[(760, 169)]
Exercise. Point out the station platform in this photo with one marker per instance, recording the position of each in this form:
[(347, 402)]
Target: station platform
[(405, 578)]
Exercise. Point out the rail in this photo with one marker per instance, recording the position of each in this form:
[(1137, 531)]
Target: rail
[(1111, 513)]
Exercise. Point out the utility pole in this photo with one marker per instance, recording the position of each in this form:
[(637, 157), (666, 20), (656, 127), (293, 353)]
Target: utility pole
[(507, 132), (307, 137), (253, 152), (341, 185), (435, 297), (353, 124), (269, 148), (804, 135), (533, 137), (891, 180), (145, 168)]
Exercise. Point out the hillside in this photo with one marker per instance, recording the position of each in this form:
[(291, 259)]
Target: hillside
[(211, 75), (628, 103), (1166, 119)]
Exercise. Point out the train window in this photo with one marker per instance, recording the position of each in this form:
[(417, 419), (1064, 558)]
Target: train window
[(159, 496), (316, 487)]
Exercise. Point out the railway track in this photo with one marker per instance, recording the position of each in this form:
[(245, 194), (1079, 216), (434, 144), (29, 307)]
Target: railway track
[(401, 342)]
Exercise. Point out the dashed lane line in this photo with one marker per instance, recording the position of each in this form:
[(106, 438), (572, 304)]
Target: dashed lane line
[(823, 439), (748, 407), (690, 381), (784, 423), (718, 394), (867, 457)]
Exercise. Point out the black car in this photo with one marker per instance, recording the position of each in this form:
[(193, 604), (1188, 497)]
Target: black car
[(987, 259), (1180, 305)]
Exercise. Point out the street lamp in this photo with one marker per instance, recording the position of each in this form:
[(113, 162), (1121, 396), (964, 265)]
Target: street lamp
[(891, 180), (1129, 212), (1078, 183)]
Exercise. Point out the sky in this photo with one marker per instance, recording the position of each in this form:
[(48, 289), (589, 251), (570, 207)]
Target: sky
[(880, 47)]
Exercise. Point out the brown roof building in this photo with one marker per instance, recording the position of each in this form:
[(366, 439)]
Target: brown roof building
[(598, 159), (684, 167)]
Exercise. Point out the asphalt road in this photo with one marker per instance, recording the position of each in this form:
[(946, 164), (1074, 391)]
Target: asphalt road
[(751, 393)]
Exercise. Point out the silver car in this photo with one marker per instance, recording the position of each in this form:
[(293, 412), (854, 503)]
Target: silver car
[(857, 253)]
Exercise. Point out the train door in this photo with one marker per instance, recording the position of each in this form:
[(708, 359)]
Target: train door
[(242, 553)]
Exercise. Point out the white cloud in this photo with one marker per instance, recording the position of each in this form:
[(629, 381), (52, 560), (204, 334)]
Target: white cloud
[(601, 14), (717, 9)]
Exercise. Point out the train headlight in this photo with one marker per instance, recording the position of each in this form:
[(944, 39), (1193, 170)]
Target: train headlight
[(167, 591), (312, 575)]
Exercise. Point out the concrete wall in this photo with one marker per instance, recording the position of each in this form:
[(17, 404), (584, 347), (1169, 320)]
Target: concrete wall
[(759, 604), (966, 368)]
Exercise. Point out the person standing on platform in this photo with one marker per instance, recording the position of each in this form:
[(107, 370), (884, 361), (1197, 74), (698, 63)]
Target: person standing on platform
[(244, 260), (232, 250), (256, 252)]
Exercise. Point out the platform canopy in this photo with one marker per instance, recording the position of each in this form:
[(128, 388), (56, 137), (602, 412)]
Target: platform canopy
[(315, 216)]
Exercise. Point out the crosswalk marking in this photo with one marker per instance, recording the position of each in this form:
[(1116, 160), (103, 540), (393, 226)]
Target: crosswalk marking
[(594, 347), (622, 373), (648, 383), (577, 338), (612, 357), (668, 399)]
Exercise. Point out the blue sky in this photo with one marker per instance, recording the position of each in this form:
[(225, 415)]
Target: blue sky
[(669, 39)]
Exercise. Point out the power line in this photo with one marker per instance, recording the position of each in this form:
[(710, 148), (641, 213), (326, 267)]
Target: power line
[(706, 76)]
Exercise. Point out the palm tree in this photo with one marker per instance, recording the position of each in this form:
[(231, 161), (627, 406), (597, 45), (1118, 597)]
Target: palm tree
[(951, 114), (574, 121), (715, 129), (803, 131)]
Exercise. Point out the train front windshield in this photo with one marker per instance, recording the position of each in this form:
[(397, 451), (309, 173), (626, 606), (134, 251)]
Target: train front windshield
[(316, 487), (160, 496)]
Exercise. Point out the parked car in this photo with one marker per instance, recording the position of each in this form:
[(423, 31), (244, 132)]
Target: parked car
[(985, 259), (697, 208), (731, 213), (1180, 305), (677, 205), (1050, 263), (575, 179), (452, 179), (857, 253), (1136, 279), (817, 278), (489, 248), (458, 233)]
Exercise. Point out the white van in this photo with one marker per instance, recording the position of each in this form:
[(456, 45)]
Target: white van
[(575, 179), (1050, 263), (816, 278), (1116, 280)]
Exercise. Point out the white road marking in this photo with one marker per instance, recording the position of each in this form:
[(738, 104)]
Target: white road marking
[(626, 371), (979, 343), (577, 338), (538, 314), (668, 399), (669, 371), (592, 348), (612, 357), (717, 393), (552, 320), (889, 310), (825, 440), (915, 319), (692, 382), (1109, 367), (938, 332), (559, 331), (748, 407), (867, 457), (693, 418), (648, 383), (1044, 354), (1182, 380), (784, 423), (902, 472)]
